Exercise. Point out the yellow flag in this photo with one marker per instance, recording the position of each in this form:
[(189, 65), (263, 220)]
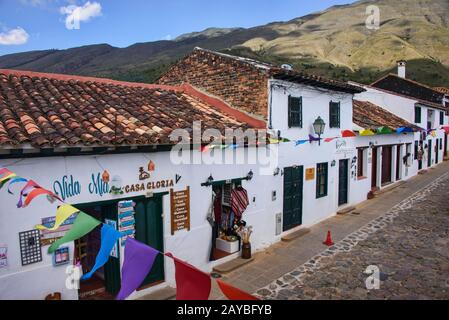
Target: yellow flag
[(64, 212)]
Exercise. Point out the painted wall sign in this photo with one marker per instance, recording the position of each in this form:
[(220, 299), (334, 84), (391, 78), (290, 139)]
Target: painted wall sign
[(3, 255), (310, 174), (152, 185), (97, 185), (67, 187), (180, 210), (48, 237)]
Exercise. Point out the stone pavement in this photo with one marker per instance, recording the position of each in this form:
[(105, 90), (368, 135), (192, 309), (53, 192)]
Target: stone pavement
[(404, 232)]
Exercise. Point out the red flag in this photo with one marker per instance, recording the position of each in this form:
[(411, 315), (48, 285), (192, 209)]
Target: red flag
[(233, 293), (37, 192), (191, 283)]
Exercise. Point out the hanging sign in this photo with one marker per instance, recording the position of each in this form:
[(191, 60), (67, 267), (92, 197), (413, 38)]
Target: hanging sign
[(310, 174), (3, 255), (180, 210), (126, 220)]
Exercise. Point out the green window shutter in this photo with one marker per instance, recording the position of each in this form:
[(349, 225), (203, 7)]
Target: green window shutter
[(334, 114), (441, 118), (417, 114), (322, 180), (294, 112)]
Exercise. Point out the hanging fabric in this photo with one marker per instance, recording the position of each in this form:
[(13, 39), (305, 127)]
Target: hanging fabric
[(62, 214), (138, 262), (233, 293), (25, 190), (38, 192), (191, 283), (239, 201), (82, 225)]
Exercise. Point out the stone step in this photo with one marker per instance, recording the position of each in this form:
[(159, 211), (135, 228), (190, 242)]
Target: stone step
[(346, 210), (295, 235), (390, 188), (232, 265), (167, 293)]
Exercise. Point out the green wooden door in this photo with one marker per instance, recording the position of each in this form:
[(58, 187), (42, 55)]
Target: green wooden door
[(429, 154), (112, 267), (293, 195), (149, 230), (343, 182)]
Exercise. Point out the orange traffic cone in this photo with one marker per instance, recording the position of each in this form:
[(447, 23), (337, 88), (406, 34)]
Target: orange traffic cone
[(329, 241)]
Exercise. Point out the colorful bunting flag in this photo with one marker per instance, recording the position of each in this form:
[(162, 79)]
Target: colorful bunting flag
[(330, 139), (233, 293), (15, 180), (367, 133), (300, 142), (139, 259), (348, 134), (5, 176), (191, 283), (404, 130), (25, 190), (38, 192), (384, 130), (83, 225), (274, 141), (109, 238), (312, 138), (62, 214)]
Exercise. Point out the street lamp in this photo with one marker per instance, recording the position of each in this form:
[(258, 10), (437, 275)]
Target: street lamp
[(318, 126)]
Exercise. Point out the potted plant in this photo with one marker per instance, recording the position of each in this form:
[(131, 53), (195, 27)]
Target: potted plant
[(245, 234)]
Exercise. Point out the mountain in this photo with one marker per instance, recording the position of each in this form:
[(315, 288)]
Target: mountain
[(334, 43)]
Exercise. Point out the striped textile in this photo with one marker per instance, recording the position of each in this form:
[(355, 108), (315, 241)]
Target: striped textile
[(239, 201)]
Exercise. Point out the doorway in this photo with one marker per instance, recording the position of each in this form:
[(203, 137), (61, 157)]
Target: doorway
[(398, 162), (445, 146), (293, 197), (343, 181), (374, 169), (437, 151), (105, 283), (429, 154), (386, 164)]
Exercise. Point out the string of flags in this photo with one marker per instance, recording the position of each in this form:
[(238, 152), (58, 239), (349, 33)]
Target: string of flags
[(139, 258), (344, 134)]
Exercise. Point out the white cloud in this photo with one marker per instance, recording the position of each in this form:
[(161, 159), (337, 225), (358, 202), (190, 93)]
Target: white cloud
[(76, 14), (14, 37)]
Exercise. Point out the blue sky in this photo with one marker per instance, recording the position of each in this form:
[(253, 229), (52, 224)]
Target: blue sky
[(41, 24)]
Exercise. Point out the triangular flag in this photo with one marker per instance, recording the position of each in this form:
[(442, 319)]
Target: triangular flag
[(139, 259), (330, 139), (191, 283), (299, 142), (38, 192), (5, 176), (62, 214), (109, 238), (82, 225), (274, 141), (312, 138), (25, 190), (15, 180), (233, 293)]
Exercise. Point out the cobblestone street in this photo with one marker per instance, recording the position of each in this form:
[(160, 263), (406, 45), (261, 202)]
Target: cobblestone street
[(409, 244)]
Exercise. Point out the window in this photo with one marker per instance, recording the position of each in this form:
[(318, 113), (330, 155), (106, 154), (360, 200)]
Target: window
[(441, 118), (417, 114), (321, 180), (334, 114), (360, 162), (294, 112)]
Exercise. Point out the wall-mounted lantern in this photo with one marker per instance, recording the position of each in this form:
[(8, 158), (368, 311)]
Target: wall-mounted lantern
[(250, 175), (209, 181), (333, 163), (318, 126), (276, 171)]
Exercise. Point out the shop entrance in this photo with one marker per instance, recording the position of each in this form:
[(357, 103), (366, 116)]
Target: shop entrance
[(293, 197), (105, 283), (229, 202), (343, 181)]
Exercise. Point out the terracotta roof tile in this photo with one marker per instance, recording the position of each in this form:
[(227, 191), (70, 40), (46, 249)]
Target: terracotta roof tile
[(370, 116), (48, 110)]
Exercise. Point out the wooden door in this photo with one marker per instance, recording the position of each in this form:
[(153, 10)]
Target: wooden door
[(293, 197), (374, 168), (437, 151), (429, 154), (343, 181), (149, 230), (398, 162), (386, 164)]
